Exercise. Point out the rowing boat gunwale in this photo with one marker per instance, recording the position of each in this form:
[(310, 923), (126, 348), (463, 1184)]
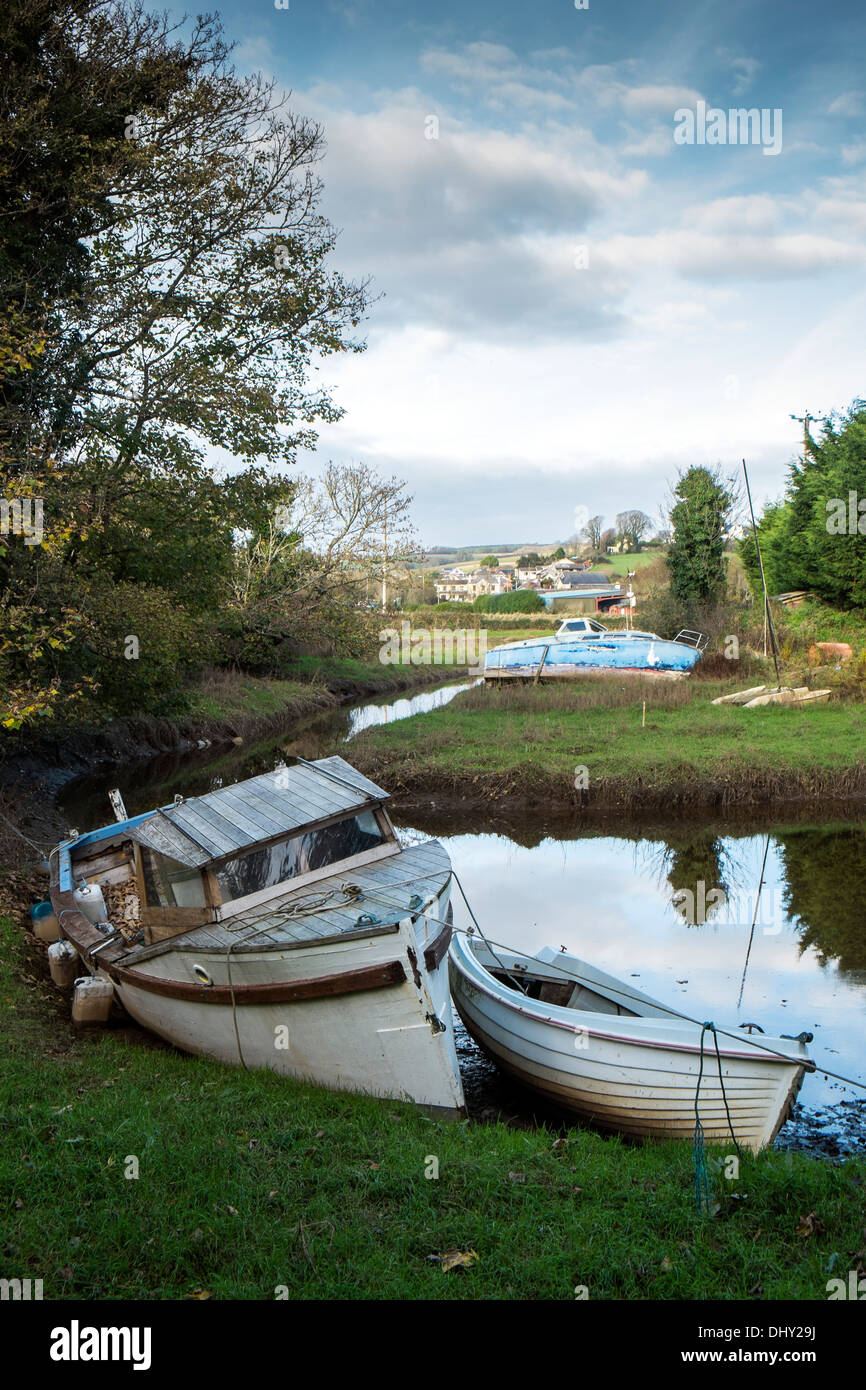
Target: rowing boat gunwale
[(561, 1016)]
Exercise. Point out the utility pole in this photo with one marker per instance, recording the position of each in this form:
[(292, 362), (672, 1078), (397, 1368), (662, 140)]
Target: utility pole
[(806, 420), (768, 622), (385, 555)]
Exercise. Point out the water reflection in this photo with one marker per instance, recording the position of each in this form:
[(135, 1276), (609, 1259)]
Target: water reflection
[(145, 785), (697, 870), (602, 898), (825, 877)]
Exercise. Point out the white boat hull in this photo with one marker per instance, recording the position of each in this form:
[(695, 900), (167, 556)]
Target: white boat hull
[(633, 1075), (385, 1041)]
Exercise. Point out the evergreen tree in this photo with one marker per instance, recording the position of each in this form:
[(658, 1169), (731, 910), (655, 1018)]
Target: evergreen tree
[(699, 520), (815, 537)]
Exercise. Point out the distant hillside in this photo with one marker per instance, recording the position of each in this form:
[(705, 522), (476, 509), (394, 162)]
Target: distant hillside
[(466, 552)]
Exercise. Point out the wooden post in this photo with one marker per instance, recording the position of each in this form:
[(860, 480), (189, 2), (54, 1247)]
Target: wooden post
[(541, 664)]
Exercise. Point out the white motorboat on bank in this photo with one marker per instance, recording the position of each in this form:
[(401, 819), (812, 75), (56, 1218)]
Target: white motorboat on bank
[(277, 922)]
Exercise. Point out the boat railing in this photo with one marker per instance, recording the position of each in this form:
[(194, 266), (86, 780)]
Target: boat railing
[(690, 638)]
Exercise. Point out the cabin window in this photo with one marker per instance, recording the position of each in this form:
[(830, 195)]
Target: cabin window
[(315, 849), (168, 883)]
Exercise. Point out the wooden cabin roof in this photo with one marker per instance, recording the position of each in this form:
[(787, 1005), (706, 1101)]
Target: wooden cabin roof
[(321, 910), (233, 818)]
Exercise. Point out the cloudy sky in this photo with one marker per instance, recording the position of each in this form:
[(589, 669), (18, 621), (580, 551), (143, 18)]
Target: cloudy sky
[(574, 305)]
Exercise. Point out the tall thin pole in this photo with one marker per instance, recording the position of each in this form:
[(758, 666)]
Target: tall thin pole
[(754, 920), (767, 619), (806, 420), (385, 556)]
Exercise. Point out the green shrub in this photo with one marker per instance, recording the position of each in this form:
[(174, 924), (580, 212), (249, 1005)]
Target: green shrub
[(141, 646), (521, 601)]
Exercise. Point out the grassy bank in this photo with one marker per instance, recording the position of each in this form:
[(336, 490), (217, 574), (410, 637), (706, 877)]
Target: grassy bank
[(527, 741), (313, 683), (248, 1182)]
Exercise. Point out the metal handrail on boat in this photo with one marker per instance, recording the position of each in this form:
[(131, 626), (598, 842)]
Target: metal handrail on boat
[(689, 637)]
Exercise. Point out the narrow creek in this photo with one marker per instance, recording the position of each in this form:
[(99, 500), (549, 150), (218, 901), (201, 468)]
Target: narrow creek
[(670, 906)]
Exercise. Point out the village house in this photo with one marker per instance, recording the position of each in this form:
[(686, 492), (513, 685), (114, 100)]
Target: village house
[(456, 586)]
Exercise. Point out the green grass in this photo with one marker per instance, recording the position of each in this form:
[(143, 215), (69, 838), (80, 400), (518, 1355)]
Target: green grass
[(226, 695), (814, 621), (248, 1182), (528, 740), (621, 564), (311, 683)]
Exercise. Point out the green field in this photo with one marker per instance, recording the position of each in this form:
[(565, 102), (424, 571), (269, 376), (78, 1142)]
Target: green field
[(524, 740), (620, 565), (252, 1187)]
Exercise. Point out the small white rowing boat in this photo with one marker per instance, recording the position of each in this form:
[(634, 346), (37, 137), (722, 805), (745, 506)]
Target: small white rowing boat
[(614, 1056)]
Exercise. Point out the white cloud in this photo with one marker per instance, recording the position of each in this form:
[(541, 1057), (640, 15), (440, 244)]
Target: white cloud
[(502, 378), (854, 154), (477, 229), (847, 104), (754, 213), (657, 141), (841, 212), (732, 256), (658, 99), (745, 71)]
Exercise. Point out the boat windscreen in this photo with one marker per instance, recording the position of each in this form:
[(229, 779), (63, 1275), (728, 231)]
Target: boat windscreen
[(314, 849), (168, 883)]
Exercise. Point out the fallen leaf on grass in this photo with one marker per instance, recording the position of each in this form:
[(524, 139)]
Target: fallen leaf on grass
[(457, 1259), (810, 1225)]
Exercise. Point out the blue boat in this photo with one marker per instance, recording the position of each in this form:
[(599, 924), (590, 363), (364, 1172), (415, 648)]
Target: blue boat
[(583, 646)]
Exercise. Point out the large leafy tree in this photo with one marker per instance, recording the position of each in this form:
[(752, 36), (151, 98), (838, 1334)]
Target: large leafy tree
[(310, 572), (72, 72), (633, 525), (699, 519), (169, 290), (592, 533)]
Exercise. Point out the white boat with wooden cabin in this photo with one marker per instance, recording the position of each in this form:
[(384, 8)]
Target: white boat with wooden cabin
[(618, 1059), (281, 924)]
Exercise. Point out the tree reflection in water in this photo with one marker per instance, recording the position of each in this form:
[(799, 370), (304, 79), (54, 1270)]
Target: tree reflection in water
[(825, 874)]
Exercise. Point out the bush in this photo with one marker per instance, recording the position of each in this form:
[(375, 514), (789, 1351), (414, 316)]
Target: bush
[(141, 646), (522, 601)]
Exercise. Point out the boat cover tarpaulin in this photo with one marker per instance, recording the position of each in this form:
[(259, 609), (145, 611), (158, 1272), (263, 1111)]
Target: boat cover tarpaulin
[(233, 818)]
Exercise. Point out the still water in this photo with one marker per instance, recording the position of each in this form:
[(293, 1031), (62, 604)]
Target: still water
[(154, 782), (631, 907), (674, 908)]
